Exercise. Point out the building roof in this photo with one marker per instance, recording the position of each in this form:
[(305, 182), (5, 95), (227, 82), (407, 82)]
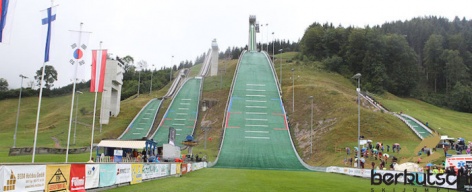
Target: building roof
[(128, 144)]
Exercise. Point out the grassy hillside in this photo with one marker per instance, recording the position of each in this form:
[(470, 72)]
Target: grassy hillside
[(334, 117), (444, 121)]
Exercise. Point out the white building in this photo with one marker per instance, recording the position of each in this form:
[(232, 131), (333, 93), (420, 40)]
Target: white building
[(111, 96)]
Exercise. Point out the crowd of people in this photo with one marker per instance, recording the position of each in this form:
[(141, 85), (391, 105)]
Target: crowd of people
[(375, 153)]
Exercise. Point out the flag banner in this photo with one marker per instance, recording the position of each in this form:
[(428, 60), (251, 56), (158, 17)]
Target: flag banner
[(23, 178), (92, 175), (57, 177), (78, 46), (107, 175), (99, 60), (123, 173), (49, 15), (77, 177), (7, 8)]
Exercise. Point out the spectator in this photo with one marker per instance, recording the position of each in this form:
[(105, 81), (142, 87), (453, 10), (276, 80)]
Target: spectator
[(388, 148)]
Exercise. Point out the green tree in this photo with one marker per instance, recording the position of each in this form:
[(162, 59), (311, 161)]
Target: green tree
[(455, 69), (433, 64), (401, 63), (3, 84), (50, 75)]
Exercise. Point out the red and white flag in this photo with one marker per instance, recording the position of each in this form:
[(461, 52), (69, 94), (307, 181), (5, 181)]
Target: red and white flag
[(99, 61)]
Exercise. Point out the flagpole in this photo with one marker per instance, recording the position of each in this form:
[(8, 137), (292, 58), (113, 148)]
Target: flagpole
[(37, 114), (99, 55), (39, 103), (73, 94)]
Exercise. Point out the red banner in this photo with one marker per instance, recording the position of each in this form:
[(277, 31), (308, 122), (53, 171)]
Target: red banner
[(77, 177), (99, 61), (183, 168)]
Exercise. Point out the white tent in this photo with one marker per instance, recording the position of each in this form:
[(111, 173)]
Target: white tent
[(410, 167)]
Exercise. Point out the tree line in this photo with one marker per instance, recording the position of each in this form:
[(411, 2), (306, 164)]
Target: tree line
[(428, 58)]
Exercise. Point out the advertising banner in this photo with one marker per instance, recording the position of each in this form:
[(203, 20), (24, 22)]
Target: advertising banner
[(184, 168), (123, 173), (164, 170), (107, 175), (118, 155), (150, 171), (57, 177), (189, 167), (77, 177), (92, 175), (137, 173), (173, 169), (23, 178), (178, 169)]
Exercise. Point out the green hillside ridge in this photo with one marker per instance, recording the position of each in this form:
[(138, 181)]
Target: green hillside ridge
[(334, 118)]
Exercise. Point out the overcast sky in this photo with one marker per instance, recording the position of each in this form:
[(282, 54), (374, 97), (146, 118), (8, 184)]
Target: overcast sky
[(156, 30)]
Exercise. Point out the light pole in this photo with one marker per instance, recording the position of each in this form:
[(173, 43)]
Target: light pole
[(18, 111), (280, 78), (76, 112), (152, 72), (139, 81), (267, 37), (171, 63), (293, 91), (358, 77), (273, 44), (311, 126), (262, 38)]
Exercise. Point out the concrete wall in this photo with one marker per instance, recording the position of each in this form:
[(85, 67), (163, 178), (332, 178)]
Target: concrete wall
[(111, 96)]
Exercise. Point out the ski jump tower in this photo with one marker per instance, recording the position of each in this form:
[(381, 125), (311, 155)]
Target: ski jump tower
[(214, 58), (253, 29)]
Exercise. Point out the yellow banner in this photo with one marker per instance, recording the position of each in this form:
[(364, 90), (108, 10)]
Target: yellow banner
[(178, 168), (57, 178), (137, 173)]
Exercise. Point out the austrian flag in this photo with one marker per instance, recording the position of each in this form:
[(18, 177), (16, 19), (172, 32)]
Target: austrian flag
[(99, 60)]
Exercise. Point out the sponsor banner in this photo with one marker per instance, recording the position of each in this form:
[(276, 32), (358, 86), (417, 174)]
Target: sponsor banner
[(77, 177), (184, 168), (173, 169), (166, 171), (123, 173), (92, 175), (117, 155), (189, 167), (23, 178), (57, 177), (136, 173), (150, 171), (107, 175), (178, 169), (458, 161)]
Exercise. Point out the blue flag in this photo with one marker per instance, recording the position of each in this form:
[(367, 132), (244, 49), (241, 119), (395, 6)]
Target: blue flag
[(50, 17), (3, 16)]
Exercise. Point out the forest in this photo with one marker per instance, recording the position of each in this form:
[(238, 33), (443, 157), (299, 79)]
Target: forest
[(428, 58)]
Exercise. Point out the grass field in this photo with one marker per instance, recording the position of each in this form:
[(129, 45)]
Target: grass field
[(212, 179)]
